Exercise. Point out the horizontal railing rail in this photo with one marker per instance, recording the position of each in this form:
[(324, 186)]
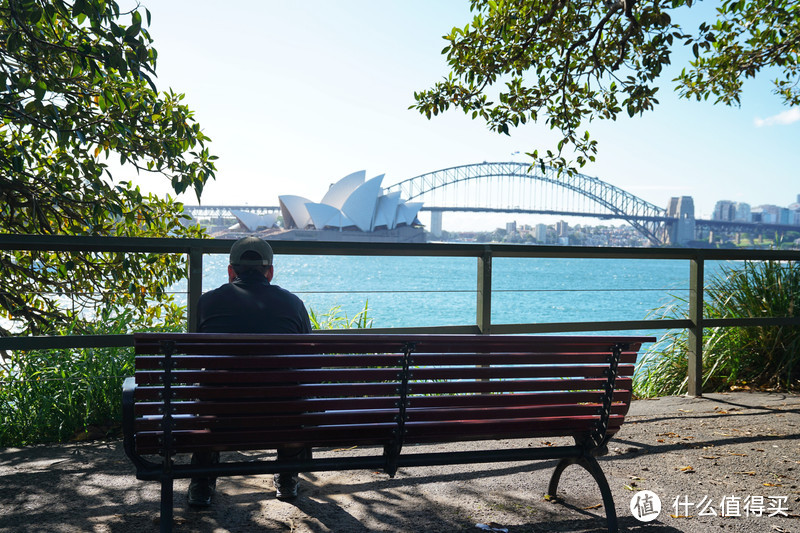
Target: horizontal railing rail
[(195, 249)]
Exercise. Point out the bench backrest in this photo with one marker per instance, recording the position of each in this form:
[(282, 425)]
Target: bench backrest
[(238, 392)]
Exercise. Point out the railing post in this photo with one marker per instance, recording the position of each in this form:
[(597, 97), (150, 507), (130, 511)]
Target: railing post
[(695, 348), (195, 283), (484, 318)]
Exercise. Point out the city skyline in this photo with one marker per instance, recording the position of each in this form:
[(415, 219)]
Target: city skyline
[(295, 96)]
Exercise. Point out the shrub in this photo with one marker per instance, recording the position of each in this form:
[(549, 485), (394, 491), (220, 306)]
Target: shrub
[(67, 394), (758, 357)]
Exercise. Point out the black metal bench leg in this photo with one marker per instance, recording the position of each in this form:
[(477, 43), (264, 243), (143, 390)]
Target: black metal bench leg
[(166, 504), (593, 467)]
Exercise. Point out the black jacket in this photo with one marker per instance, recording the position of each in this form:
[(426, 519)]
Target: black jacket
[(250, 304)]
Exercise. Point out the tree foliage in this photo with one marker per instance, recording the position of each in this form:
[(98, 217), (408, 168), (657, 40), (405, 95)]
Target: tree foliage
[(569, 62), (80, 111)]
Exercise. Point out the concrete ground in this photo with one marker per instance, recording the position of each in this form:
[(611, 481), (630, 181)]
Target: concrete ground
[(735, 454)]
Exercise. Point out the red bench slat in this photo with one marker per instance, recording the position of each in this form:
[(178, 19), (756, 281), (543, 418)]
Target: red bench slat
[(149, 393)]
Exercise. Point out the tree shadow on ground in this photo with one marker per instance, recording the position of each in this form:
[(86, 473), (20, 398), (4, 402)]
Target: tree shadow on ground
[(91, 487)]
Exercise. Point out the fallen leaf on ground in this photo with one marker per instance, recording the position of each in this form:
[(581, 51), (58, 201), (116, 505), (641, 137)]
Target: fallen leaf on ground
[(751, 473), (686, 469)]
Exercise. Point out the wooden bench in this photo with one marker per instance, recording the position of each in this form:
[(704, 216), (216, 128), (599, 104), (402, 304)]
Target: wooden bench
[(379, 392)]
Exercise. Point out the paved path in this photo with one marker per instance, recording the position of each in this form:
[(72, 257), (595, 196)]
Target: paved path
[(727, 451)]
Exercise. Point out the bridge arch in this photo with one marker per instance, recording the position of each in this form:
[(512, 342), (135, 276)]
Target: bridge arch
[(518, 187)]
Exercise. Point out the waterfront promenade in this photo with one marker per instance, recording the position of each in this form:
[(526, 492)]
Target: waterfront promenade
[(739, 450)]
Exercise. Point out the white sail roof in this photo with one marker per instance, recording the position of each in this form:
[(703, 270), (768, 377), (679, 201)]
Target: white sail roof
[(293, 209), (360, 205), (253, 222), (351, 201), (328, 216), (386, 214), (407, 212), (340, 191)]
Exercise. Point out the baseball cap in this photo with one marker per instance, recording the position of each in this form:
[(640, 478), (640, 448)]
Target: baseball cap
[(251, 244)]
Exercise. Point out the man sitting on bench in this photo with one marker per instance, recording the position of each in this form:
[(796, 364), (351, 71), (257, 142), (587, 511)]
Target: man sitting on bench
[(249, 303)]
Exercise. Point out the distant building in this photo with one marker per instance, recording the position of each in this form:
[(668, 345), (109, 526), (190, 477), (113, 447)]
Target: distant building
[(541, 233), (724, 210), (562, 229), (728, 211), (773, 214), (511, 227), (352, 203), (742, 212)]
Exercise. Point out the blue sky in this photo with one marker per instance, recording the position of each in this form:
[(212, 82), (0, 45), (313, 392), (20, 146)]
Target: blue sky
[(296, 95)]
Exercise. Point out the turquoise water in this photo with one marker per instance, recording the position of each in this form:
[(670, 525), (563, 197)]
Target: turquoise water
[(438, 291)]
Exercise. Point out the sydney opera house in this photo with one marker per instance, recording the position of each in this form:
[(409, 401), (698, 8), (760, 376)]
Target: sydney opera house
[(354, 208), (352, 202)]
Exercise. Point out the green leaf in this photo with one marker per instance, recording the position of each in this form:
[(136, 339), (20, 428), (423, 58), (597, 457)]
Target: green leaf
[(40, 89), (24, 82)]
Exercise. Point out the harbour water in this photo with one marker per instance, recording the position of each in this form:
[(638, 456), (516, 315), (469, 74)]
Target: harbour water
[(439, 291)]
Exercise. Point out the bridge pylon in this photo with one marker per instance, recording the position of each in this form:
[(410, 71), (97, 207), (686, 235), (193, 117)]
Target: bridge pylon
[(436, 223)]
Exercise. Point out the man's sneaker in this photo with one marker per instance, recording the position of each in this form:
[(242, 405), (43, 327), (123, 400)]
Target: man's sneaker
[(285, 486), (200, 493)]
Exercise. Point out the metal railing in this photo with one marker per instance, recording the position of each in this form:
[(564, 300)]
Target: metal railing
[(195, 249)]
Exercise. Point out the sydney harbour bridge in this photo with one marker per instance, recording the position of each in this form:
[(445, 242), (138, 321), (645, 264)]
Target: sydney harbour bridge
[(512, 187)]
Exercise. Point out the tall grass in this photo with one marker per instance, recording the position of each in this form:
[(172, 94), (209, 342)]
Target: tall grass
[(54, 396), (61, 395), (338, 319), (756, 357)]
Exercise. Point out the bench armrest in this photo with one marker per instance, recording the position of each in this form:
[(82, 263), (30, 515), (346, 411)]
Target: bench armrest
[(128, 425)]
